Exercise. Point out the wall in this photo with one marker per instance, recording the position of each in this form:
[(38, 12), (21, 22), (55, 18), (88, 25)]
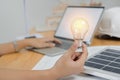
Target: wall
[(110, 3), (11, 20), (38, 10)]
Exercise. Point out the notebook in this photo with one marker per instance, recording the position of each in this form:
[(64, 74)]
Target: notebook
[(63, 32)]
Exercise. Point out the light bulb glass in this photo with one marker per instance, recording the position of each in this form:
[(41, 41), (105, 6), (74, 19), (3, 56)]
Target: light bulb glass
[(79, 28)]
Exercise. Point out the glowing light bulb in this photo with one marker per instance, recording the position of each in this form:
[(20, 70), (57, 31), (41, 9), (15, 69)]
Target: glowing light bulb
[(79, 29)]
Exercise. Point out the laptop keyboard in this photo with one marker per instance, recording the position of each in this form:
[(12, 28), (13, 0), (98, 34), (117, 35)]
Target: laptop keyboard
[(107, 60)]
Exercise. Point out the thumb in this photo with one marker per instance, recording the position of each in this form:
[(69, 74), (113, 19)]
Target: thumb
[(84, 54), (73, 48)]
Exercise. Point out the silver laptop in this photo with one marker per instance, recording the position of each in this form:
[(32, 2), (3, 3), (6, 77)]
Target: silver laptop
[(63, 32), (105, 64)]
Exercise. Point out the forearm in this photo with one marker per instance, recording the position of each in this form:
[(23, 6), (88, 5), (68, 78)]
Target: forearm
[(9, 47), (27, 75)]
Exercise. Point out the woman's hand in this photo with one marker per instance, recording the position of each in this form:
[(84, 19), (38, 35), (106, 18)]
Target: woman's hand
[(71, 62), (42, 42)]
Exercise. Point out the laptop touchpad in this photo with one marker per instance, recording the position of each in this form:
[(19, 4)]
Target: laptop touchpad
[(50, 51)]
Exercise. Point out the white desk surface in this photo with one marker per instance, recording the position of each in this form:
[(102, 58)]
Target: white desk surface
[(47, 62)]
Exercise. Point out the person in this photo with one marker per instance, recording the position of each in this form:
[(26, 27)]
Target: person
[(70, 63)]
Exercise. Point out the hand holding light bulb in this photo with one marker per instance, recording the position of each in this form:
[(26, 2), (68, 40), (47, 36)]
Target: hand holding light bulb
[(79, 29)]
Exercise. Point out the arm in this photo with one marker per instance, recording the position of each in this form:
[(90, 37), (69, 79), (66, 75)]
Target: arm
[(70, 63), (27, 75), (33, 42), (9, 47)]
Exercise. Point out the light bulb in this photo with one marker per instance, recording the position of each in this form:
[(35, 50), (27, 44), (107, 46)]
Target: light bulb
[(79, 28)]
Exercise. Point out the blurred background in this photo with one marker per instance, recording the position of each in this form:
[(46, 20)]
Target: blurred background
[(22, 17)]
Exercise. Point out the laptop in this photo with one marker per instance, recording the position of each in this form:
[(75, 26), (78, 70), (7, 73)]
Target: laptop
[(63, 32), (105, 63)]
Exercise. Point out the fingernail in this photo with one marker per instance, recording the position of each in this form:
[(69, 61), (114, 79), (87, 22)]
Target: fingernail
[(53, 44)]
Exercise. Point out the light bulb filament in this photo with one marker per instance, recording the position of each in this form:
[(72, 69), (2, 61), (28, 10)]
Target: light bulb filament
[(79, 28)]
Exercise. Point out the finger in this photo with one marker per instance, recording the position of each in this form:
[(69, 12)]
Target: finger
[(58, 41), (45, 45), (73, 48), (84, 54), (75, 56), (53, 39)]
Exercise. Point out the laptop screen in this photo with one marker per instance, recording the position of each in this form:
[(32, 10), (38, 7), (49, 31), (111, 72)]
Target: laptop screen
[(91, 14)]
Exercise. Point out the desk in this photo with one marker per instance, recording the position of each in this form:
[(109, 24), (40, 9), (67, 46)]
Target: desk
[(26, 60)]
